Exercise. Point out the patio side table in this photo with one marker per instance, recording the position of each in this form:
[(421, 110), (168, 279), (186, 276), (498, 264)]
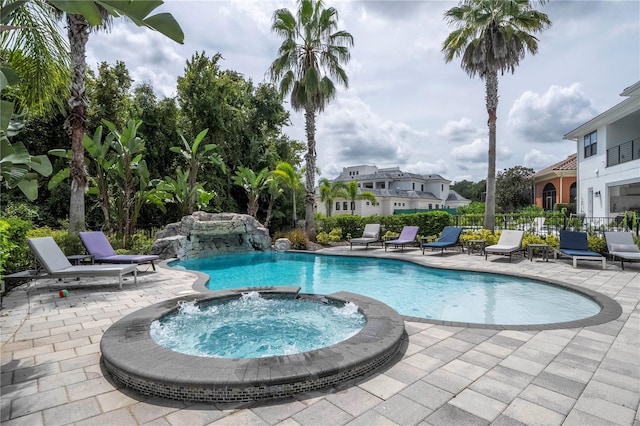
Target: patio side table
[(544, 248), (476, 245)]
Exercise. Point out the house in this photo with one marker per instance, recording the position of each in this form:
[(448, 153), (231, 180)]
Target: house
[(609, 159), (556, 184), (394, 190)]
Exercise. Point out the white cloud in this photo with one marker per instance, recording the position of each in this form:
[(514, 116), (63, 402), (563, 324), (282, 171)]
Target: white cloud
[(546, 118), (462, 130)]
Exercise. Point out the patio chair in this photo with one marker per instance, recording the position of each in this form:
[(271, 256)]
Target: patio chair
[(620, 245), (574, 244), (510, 241), (448, 238), (99, 247), (56, 265), (371, 234), (407, 236)]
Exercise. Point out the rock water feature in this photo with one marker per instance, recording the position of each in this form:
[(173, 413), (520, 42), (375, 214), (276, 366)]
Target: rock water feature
[(203, 234)]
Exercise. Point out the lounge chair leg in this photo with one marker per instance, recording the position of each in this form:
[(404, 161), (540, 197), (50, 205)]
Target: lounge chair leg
[(135, 276), (153, 266)]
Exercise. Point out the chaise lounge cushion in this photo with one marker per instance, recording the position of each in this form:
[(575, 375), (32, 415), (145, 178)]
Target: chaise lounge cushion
[(510, 241), (99, 247), (371, 234)]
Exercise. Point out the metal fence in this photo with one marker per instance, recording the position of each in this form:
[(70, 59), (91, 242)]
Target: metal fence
[(552, 224)]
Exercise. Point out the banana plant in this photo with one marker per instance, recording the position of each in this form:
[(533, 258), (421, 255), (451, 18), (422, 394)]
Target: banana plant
[(18, 168), (196, 155), (253, 184), (179, 192)]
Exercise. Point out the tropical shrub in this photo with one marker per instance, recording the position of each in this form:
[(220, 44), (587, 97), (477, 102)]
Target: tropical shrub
[(322, 238), (16, 252), (298, 239), (335, 235)]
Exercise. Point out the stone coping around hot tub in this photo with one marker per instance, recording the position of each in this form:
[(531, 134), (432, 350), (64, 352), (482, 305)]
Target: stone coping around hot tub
[(134, 359)]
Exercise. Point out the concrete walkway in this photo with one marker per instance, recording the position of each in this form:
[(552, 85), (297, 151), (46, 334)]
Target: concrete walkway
[(51, 371)]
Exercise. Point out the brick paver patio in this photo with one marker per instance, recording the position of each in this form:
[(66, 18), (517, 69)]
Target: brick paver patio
[(51, 371)]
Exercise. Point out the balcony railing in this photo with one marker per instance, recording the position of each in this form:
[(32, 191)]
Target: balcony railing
[(622, 153)]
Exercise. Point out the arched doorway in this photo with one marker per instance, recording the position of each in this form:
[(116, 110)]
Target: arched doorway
[(548, 196), (573, 192)]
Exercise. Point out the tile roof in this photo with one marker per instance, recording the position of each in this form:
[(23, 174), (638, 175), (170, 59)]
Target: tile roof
[(569, 163)]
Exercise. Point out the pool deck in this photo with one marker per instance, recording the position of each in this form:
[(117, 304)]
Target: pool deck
[(52, 375)]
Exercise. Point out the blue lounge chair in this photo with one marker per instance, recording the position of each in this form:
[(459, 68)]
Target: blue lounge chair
[(448, 238), (574, 244), (99, 247), (407, 236)]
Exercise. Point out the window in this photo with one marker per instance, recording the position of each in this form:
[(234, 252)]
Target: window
[(430, 206), (591, 144), (353, 205), (413, 185), (367, 203), (442, 187), (345, 206), (437, 206), (572, 193), (337, 205), (421, 187)]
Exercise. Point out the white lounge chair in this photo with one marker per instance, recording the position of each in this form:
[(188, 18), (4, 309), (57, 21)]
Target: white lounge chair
[(620, 245), (510, 242), (56, 264), (371, 234)]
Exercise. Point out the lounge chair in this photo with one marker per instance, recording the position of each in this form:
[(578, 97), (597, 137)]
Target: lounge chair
[(56, 265), (620, 245), (574, 244), (371, 234), (407, 236), (99, 247), (510, 241), (448, 238)]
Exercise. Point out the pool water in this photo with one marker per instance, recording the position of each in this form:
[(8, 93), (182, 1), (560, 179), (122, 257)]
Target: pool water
[(253, 327), (410, 289)]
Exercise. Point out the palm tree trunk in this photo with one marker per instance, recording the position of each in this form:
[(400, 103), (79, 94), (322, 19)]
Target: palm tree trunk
[(78, 33), (310, 159), (492, 108)]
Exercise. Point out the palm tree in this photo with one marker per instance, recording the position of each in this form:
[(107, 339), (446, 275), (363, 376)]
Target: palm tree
[(31, 43), (275, 191), (289, 177), (351, 193), (329, 191), (492, 36), (311, 54), (80, 17)]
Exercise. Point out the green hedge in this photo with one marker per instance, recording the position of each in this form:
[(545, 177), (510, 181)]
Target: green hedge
[(430, 223)]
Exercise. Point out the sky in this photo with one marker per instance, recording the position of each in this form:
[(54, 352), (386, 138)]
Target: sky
[(404, 105)]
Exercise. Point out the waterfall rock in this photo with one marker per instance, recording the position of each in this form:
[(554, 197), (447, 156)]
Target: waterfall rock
[(203, 234)]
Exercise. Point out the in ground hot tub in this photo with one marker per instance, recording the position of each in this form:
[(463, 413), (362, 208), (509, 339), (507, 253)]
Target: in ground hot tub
[(136, 360)]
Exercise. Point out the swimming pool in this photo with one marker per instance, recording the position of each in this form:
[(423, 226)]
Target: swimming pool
[(412, 290)]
